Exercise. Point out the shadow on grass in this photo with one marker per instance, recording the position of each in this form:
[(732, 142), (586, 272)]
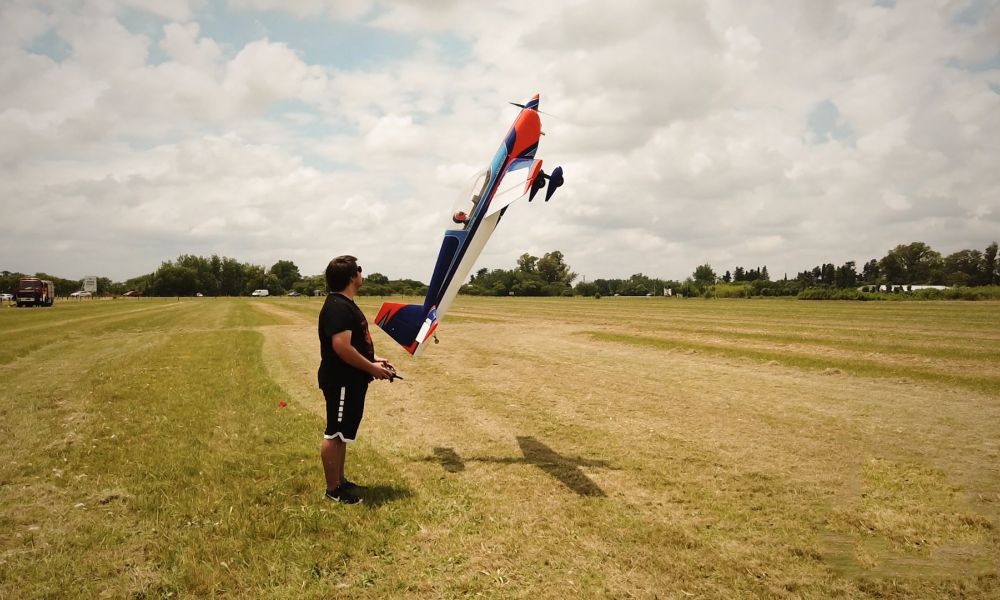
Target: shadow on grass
[(449, 459), (564, 469), (377, 495)]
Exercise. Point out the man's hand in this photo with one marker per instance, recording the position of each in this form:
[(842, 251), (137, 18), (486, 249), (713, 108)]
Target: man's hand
[(381, 370), (392, 369), (349, 354)]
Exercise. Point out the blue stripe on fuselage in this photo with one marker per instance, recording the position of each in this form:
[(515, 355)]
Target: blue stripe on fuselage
[(440, 280), (452, 243)]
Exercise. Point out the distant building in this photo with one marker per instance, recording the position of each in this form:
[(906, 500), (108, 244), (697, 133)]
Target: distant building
[(895, 287)]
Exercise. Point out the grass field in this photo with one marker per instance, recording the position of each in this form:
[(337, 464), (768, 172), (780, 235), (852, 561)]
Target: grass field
[(622, 447)]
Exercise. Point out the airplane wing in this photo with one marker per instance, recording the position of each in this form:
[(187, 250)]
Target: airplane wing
[(516, 183)]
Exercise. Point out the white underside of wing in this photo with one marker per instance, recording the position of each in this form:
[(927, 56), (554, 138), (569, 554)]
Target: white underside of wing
[(513, 186), (475, 248), (476, 245)]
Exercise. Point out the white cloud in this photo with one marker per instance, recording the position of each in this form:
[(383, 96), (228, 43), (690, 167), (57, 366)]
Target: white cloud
[(174, 10), (683, 128), (394, 134), (182, 44), (339, 9)]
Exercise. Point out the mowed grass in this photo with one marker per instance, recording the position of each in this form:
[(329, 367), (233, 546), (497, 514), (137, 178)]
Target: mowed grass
[(546, 448)]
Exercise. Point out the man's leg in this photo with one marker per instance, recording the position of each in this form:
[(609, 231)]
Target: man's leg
[(341, 458), (333, 453), (332, 450)]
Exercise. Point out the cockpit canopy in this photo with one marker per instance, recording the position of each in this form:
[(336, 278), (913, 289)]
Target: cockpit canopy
[(464, 210)]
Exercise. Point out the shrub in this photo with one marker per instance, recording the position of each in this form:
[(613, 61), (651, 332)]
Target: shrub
[(824, 293), (991, 292)]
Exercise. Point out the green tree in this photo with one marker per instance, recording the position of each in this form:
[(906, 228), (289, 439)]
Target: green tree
[(309, 285), (255, 279), (8, 281), (828, 273), (965, 267), (913, 263), (552, 268), (585, 288), (870, 272), (845, 276), (991, 271), (286, 273), (105, 286), (175, 280), (142, 284), (233, 277), (527, 263), (703, 277), (638, 285)]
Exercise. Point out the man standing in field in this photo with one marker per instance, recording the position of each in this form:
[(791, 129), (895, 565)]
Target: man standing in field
[(348, 364)]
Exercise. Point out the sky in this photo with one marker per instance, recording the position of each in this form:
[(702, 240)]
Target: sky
[(781, 134)]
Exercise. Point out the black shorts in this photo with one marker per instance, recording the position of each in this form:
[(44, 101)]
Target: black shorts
[(345, 405)]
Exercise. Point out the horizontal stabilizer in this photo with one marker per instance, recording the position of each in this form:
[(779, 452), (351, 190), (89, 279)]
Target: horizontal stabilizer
[(555, 180), (409, 324)]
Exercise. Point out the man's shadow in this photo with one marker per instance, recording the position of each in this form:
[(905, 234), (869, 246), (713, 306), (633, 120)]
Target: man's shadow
[(564, 469)]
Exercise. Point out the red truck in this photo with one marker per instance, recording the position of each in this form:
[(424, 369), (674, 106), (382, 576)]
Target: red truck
[(32, 291)]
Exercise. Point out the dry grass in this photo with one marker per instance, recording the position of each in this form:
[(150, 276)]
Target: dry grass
[(546, 448)]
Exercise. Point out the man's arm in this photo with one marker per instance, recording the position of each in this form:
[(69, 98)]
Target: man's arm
[(350, 355)]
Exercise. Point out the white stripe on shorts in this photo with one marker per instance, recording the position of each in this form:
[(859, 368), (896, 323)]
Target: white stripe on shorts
[(340, 410)]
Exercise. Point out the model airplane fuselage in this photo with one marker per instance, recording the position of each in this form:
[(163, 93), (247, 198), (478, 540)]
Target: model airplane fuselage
[(513, 173)]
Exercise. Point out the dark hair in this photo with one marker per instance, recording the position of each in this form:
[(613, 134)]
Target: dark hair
[(340, 272)]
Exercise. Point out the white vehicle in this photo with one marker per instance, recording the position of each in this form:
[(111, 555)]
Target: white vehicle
[(6, 297), (260, 293), (81, 294)]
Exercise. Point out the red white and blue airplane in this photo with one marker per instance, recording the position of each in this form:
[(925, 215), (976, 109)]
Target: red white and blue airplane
[(471, 224)]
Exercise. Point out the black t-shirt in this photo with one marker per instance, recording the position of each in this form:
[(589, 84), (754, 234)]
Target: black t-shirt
[(339, 314)]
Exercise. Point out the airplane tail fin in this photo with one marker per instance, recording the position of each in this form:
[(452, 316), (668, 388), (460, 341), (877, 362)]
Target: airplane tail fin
[(408, 324)]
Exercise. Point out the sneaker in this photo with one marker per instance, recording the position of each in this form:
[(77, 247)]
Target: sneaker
[(342, 495), (347, 484)]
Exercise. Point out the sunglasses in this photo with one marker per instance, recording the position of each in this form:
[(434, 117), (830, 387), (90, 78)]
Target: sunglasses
[(359, 268)]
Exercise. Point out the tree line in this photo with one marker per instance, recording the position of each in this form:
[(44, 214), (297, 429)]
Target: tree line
[(533, 276), (910, 264), (215, 275), (915, 263), (906, 265)]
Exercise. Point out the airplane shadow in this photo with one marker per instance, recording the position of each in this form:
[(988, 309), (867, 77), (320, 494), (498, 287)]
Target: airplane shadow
[(565, 469), (449, 459), (377, 495)]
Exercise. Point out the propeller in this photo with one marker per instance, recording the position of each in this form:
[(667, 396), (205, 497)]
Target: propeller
[(541, 112)]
